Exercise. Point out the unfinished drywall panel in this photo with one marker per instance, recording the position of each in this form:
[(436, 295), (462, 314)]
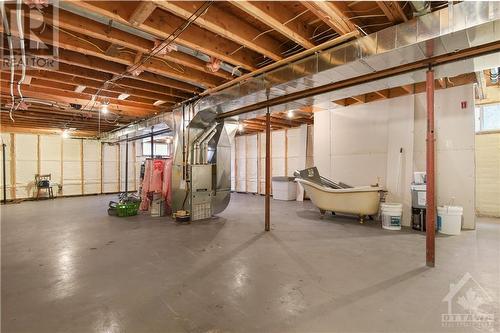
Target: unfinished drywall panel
[(488, 174), (251, 163), (72, 167), (322, 142), (240, 163), (130, 163), (310, 146), (26, 161), (400, 153), (359, 144), (278, 153), (50, 156), (296, 149), (110, 168), (455, 137), (91, 166), (233, 166), (6, 144), (262, 164)]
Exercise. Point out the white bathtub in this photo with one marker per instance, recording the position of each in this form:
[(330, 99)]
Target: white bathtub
[(362, 200)]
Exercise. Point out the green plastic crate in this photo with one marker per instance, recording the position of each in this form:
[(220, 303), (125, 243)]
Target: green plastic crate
[(127, 209)]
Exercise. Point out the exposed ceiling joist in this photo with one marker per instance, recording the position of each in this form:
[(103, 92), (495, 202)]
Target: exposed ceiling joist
[(276, 17), (332, 15), (393, 11), (162, 24), (226, 25), (142, 12)]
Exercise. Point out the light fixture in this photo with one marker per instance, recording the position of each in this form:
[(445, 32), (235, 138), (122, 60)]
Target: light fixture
[(241, 127), (104, 107), (65, 134), (289, 114)]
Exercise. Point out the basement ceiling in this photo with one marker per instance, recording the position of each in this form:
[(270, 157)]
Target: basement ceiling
[(135, 59)]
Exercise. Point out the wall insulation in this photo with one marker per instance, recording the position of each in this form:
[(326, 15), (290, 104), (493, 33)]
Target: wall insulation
[(26, 156), (6, 139), (289, 150), (488, 174), (91, 167), (110, 165), (72, 167), (80, 166)]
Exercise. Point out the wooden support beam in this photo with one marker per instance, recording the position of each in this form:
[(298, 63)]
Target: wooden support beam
[(274, 15), (143, 10), (393, 11), (119, 107), (92, 48), (332, 15), (430, 172), (75, 23), (87, 66), (162, 24), (224, 24)]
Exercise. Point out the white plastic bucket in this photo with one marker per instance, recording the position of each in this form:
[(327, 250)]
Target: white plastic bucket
[(449, 221), (391, 215)]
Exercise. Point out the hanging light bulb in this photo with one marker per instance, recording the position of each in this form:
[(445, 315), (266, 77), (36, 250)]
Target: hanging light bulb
[(65, 134), (104, 107), (289, 114)]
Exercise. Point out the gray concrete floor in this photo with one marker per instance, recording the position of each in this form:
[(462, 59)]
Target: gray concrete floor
[(68, 267)]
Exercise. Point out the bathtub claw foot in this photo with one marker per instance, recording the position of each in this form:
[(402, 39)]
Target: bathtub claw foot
[(322, 212), (361, 219)]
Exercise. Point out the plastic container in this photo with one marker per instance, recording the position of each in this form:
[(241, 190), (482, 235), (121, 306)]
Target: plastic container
[(284, 188), (418, 196), (449, 221), (391, 215)]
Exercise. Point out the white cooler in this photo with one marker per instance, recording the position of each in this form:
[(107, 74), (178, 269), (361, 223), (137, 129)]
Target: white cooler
[(284, 188)]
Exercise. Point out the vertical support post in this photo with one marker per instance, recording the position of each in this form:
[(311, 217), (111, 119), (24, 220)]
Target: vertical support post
[(126, 165), (4, 174), (430, 169), (152, 144), (268, 169)]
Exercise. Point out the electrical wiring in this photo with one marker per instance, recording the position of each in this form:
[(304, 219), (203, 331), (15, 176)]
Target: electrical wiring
[(79, 38), (11, 58), (164, 43), (23, 51)]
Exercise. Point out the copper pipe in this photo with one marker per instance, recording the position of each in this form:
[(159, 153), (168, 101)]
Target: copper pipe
[(430, 168), (268, 169)]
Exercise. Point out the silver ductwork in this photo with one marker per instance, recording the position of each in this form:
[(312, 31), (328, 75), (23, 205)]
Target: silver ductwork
[(458, 27)]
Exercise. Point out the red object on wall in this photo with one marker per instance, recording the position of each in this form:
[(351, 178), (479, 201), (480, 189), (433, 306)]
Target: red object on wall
[(463, 104)]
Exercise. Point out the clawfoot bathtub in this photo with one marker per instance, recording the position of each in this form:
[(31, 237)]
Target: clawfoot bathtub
[(362, 201)]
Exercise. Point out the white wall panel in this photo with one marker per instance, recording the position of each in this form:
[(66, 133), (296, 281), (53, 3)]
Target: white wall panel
[(296, 149), (110, 167), (322, 143), (26, 156), (251, 163), (50, 156), (131, 165), (359, 144), (233, 166), (240, 163), (5, 138), (91, 166), (455, 165), (72, 167), (488, 174), (278, 146)]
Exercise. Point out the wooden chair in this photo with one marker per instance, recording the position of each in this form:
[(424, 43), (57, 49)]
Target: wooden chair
[(42, 182)]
